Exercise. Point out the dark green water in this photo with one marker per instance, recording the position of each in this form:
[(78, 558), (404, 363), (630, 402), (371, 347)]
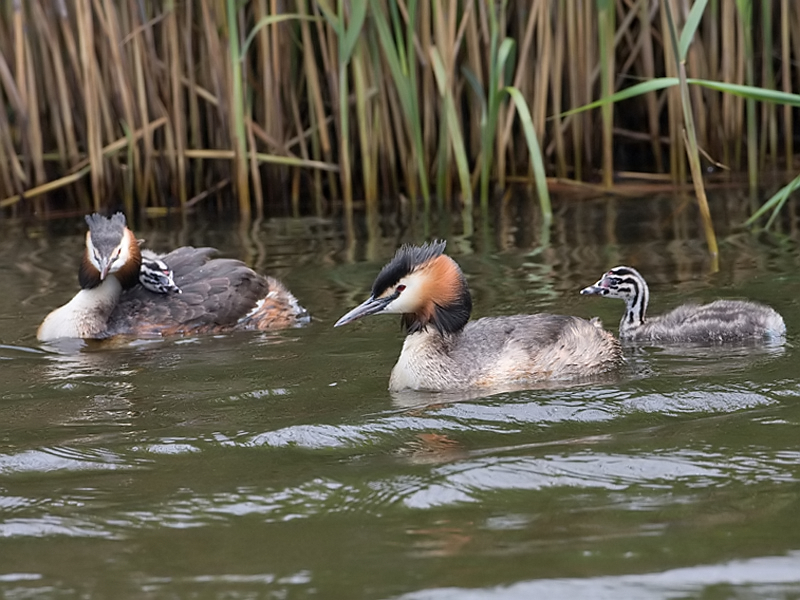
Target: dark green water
[(278, 466)]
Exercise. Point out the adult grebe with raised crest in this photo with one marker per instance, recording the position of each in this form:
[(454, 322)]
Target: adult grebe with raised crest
[(444, 350)]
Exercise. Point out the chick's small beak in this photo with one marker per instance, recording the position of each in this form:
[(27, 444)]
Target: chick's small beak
[(369, 307), (598, 289), (589, 291)]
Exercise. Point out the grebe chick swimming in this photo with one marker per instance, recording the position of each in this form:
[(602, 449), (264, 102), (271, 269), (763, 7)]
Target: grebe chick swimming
[(216, 294), (717, 322), (445, 351)]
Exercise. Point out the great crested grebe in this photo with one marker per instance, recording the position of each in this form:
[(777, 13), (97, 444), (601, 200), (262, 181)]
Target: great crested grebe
[(184, 291), (717, 322), (445, 351)]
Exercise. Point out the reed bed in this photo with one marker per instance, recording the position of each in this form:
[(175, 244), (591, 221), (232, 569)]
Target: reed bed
[(324, 106)]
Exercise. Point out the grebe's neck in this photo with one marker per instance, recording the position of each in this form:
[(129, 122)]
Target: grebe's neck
[(425, 362), (85, 316), (636, 299)]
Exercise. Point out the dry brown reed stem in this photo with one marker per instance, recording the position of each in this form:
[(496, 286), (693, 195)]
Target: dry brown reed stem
[(605, 28), (10, 166), (22, 80), (576, 50), (786, 77), (649, 72), (82, 168), (676, 149), (557, 78), (77, 78), (769, 124), (523, 71)]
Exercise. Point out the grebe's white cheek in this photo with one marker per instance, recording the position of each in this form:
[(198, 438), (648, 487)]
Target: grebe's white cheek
[(92, 253), (402, 304), (118, 263), (95, 262), (124, 254), (408, 301)]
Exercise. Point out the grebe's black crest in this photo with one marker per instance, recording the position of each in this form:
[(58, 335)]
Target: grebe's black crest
[(110, 248), (405, 260), (106, 232), (422, 284)]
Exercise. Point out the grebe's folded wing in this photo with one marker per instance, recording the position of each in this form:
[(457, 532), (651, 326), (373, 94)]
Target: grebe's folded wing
[(215, 295)]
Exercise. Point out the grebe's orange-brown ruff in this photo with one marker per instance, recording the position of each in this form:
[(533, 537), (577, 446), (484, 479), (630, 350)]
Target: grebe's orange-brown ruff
[(444, 350)]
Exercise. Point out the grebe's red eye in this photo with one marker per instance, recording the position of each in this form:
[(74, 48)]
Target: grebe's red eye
[(400, 288)]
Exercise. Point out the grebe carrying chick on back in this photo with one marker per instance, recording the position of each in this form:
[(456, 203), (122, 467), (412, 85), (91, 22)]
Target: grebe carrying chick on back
[(185, 291), (444, 350)]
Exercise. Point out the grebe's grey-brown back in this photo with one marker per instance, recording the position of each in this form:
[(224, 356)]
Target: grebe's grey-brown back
[(194, 294), (718, 322), (445, 351)]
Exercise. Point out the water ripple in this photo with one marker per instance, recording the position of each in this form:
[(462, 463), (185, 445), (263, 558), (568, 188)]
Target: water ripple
[(337, 436), (188, 509), (697, 401), (767, 576), (46, 460), (50, 525), (469, 481), (595, 405)]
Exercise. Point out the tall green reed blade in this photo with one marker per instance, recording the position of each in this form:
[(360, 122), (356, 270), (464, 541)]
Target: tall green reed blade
[(498, 55), (272, 20), (535, 152), (365, 117), (453, 129), (398, 53), (661, 83), (444, 143), (775, 203), (237, 112), (681, 49), (745, 8), (749, 92)]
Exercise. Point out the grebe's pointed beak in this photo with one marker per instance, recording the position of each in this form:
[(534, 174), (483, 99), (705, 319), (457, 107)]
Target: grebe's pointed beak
[(106, 267), (369, 307)]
